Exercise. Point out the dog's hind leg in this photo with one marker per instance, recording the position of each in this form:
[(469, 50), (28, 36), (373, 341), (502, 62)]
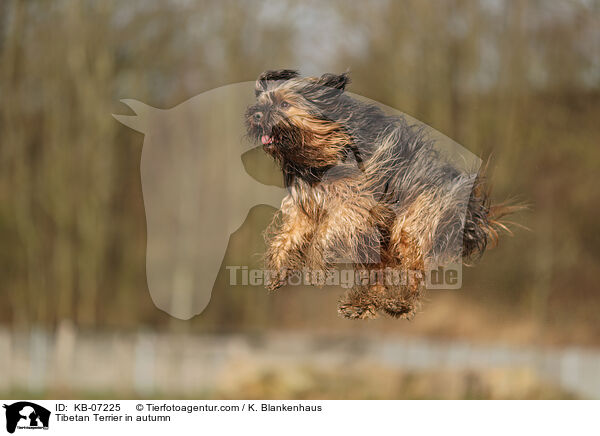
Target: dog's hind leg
[(359, 303), (401, 302)]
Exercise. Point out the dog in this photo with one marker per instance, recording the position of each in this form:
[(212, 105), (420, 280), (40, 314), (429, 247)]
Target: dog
[(363, 187)]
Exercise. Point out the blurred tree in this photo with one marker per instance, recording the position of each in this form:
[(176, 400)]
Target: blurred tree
[(516, 80)]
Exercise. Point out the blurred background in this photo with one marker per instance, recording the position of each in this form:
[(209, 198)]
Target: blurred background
[(515, 82)]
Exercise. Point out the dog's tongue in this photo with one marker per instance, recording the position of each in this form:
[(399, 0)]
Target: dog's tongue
[(266, 139)]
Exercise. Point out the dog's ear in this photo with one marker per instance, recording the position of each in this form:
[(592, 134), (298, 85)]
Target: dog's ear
[(264, 78), (337, 81)]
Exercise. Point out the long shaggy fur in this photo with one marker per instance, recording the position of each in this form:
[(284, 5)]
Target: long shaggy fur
[(365, 187)]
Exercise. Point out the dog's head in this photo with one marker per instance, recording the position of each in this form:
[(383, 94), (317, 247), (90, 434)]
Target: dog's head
[(299, 121)]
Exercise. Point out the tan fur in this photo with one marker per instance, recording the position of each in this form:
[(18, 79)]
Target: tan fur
[(364, 189)]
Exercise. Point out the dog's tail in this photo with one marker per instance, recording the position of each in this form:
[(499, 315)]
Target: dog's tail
[(484, 220)]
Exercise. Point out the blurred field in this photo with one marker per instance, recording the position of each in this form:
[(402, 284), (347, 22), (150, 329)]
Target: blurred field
[(74, 363), (517, 83)]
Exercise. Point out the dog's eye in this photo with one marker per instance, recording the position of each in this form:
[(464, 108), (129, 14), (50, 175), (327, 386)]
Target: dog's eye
[(284, 104)]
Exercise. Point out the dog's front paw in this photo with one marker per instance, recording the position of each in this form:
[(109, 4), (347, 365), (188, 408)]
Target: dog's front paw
[(275, 279)]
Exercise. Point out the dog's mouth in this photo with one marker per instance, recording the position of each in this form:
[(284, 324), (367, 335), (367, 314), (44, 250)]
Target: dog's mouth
[(269, 142), (274, 139)]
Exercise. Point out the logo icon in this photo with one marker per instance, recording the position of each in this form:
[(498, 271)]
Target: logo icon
[(26, 415)]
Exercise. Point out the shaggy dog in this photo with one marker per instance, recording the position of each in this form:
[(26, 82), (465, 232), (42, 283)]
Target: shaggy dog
[(365, 188)]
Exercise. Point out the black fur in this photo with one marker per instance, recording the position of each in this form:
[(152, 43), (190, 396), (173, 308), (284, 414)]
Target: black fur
[(398, 160)]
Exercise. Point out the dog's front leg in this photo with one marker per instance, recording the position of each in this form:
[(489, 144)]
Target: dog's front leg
[(286, 238), (348, 233)]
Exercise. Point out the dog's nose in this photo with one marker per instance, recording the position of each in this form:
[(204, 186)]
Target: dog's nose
[(258, 116)]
